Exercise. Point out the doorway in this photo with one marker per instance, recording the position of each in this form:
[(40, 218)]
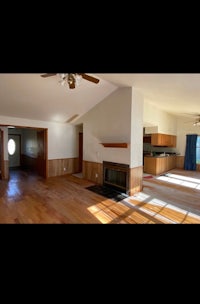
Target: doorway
[(27, 150), (42, 153), (80, 150), (14, 150)]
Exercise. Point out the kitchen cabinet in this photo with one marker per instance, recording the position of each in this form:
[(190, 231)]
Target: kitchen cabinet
[(163, 140), (159, 165)]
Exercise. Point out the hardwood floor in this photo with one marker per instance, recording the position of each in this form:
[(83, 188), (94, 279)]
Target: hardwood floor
[(27, 198)]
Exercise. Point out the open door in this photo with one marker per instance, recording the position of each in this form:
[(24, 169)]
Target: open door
[(42, 153)]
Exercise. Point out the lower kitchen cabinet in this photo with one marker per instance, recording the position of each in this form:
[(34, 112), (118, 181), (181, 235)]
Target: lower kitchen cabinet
[(159, 165)]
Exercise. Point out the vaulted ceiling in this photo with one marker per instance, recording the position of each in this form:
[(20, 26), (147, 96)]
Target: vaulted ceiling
[(33, 97), (178, 94)]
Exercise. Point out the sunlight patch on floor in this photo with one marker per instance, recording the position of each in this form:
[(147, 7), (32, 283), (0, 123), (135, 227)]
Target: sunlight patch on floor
[(141, 196), (107, 212), (161, 210), (181, 180), (142, 209), (186, 178), (148, 208)]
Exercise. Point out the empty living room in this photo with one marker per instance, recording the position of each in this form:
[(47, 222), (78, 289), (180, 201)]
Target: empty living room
[(99, 148)]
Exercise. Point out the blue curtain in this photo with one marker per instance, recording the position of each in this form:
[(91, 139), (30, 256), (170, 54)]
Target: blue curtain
[(190, 152)]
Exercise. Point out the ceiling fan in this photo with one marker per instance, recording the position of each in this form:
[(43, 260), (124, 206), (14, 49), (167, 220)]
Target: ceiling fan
[(72, 79), (197, 120)]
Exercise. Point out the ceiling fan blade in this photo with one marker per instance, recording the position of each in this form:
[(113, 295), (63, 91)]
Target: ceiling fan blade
[(48, 75), (89, 78)]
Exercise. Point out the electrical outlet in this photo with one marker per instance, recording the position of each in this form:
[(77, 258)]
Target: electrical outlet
[(96, 175), (64, 169)]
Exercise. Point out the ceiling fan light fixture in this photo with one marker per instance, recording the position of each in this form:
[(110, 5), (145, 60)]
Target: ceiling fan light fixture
[(72, 79), (196, 123)]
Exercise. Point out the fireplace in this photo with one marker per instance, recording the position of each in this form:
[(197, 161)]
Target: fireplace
[(116, 176)]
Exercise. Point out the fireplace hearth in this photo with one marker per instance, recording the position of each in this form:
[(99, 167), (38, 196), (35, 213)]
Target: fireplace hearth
[(108, 192), (116, 176)]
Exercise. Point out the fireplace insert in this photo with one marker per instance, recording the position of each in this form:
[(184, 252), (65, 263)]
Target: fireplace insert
[(116, 176)]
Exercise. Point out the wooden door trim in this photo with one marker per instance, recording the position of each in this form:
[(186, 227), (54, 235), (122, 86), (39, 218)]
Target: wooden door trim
[(45, 149), (2, 155), (80, 151)]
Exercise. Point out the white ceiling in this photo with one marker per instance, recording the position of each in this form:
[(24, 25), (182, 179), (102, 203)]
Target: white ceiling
[(33, 97), (174, 93)]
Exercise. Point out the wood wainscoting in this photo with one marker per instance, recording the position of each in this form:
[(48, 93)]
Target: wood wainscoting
[(5, 170), (135, 181), (180, 161), (93, 171), (58, 167), (198, 167)]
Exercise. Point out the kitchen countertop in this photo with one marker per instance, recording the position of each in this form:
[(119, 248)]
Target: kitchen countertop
[(160, 156)]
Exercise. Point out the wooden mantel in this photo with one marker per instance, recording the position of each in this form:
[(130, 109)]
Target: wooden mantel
[(115, 145)]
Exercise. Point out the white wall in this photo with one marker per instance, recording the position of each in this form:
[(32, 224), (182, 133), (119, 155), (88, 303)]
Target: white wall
[(62, 141), (166, 122), (150, 130), (109, 121), (61, 137), (136, 129)]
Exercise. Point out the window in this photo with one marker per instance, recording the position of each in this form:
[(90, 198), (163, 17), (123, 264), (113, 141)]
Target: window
[(11, 146), (198, 150)]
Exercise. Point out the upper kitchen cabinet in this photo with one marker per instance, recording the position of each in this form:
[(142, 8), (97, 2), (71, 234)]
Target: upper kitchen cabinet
[(163, 140)]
